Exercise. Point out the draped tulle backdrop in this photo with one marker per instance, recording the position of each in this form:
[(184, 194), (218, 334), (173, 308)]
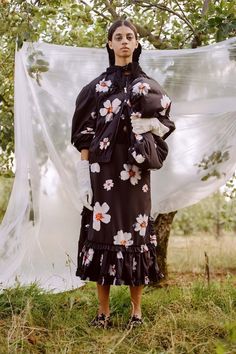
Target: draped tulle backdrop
[(40, 230)]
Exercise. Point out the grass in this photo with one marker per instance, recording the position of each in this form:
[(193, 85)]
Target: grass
[(187, 319), (186, 254)]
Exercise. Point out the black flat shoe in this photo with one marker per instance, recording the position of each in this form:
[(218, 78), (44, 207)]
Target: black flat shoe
[(134, 321), (101, 321)]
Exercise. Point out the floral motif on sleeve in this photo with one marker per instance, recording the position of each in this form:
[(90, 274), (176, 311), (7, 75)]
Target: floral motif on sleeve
[(141, 88), (95, 167), (103, 85), (100, 215), (123, 239), (88, 256), (108, 184), (138, 157), (104, 143), (131, 172), (165, 102), (141, 224), (110, 108)]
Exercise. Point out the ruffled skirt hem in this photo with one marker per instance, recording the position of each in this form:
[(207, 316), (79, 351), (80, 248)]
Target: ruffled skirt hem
[(118, 265)]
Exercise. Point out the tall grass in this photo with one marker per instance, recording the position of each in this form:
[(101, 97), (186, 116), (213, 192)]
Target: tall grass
[(188, 319)]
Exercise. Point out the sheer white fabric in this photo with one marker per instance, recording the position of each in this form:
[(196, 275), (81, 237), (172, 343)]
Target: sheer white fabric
[(40, 230)]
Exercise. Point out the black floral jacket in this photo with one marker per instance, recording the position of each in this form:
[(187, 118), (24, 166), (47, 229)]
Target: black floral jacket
[(101, 104)]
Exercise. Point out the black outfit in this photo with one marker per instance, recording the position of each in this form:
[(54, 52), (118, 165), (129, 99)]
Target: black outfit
[(117, 242)]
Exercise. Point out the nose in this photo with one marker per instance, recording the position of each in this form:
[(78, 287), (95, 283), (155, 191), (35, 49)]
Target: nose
[(124, 40)]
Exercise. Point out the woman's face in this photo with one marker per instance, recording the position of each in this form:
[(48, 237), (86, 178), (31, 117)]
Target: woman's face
[(123, 43)]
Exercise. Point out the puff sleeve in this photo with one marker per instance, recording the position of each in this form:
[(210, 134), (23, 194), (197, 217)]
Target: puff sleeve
[(84, 118), (149, 100)]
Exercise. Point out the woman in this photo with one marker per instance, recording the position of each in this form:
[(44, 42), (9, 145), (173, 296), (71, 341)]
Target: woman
[(117, 243)]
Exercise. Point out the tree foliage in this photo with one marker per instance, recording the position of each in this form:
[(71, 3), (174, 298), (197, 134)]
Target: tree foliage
[(161, 24)]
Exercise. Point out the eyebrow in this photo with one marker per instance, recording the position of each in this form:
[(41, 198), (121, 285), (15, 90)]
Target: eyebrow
[(120, 34)]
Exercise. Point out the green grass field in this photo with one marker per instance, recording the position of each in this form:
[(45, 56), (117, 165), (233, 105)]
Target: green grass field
[(184, 316)]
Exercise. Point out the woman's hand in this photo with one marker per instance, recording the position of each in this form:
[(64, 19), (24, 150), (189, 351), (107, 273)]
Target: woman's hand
[(86, 193), (144, 125)]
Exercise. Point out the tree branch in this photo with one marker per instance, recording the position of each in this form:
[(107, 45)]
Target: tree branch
[(167, 9), (205, 6)]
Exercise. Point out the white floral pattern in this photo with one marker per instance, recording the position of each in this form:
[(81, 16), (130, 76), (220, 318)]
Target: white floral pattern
[(100, 215), (103, 86), (141, 224), (101, 259), (108, 184), (112, 269), (131, 172), (134, 264), (88, 131), (95, 167), (165, 102), (146, 280), (141, 88), (145, 188), (135, 115), (153, 240), (144, 248), (123, 238), (119, 255), (104, 143), (138, 157), (138, 137), (110, 108), (88, 256)]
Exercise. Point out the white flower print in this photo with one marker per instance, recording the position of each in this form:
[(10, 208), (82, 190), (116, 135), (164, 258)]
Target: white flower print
[(134, 264), (104, 144), (141, 88), (100, 215), (131, 172), (119, 255), (110, 108), (135, 115), (165, 102), (112, 269), (138, 158), (103, 85), (145, 188), (144, 248), (153, 240), (95, 167), (101, 259), (141, 224), (138, 137), (108, 184), (93, 115), (88, 131), (123, 238), (88, 256), (146, 280)]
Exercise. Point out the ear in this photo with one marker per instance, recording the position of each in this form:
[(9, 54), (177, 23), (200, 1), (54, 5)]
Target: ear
[(110, 44), (136, 44)]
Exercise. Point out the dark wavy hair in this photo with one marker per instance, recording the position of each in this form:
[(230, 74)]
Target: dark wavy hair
[(112, 29)]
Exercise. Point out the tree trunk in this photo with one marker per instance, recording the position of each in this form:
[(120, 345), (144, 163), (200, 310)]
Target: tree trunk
[(162, 227)]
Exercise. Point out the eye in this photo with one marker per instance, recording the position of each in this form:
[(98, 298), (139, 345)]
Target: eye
[(118, 38), (129, 37)]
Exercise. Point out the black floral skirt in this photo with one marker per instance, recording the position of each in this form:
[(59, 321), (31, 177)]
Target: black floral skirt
[(117, 243)]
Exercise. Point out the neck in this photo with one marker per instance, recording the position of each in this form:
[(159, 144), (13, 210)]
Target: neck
[(122, 61)]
